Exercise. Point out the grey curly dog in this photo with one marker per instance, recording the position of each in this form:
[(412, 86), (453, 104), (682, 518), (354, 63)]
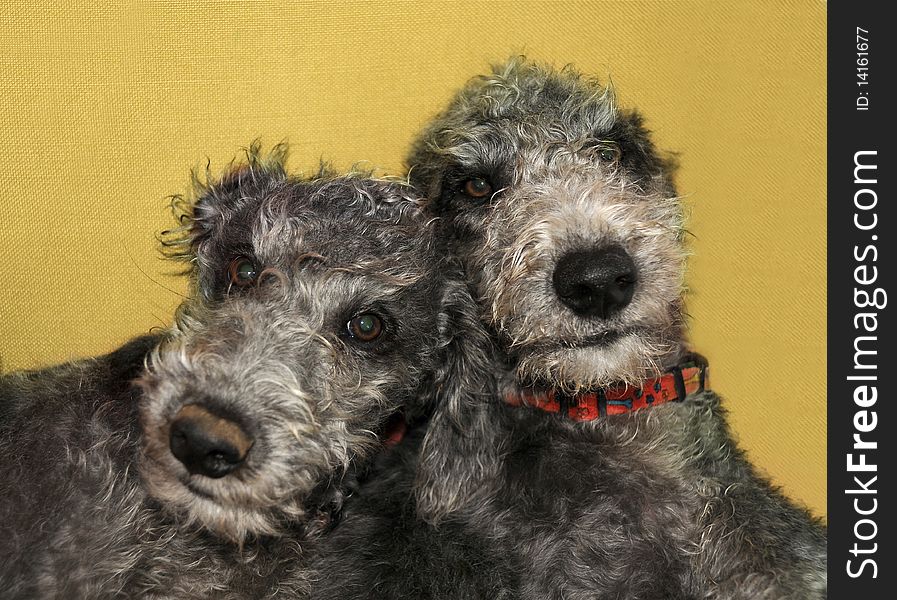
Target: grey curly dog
[(588, 458), (198, 462)]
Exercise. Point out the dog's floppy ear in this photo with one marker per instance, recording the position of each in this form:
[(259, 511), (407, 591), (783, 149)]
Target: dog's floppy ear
[(423, 173), (640, 155), (459, 458), (204, 213)]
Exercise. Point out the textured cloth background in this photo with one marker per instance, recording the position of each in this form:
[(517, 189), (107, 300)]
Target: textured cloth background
[(103, 111)]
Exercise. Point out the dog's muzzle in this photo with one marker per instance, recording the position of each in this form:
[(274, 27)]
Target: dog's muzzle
[(595, 283), (206, 443)]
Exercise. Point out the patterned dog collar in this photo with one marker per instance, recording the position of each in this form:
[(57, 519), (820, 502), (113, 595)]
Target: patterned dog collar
[(687, 378)]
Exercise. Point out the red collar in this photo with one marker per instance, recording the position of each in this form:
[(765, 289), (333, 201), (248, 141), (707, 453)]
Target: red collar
[(680, 381)]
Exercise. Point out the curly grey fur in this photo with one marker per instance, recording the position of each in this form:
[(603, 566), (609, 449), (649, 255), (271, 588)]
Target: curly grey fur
[(507, 501), (95, 505)]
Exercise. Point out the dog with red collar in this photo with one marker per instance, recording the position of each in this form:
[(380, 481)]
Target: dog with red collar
[(589, 458)]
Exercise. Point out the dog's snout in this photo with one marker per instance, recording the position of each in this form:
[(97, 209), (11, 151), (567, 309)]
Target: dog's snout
[(595, 283), (206, 443)]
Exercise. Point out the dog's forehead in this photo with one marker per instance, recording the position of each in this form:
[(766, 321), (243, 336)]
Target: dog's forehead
[(349, 243), (345, 221), (529, 99), (353, 198), (510, 150), (495, 129)]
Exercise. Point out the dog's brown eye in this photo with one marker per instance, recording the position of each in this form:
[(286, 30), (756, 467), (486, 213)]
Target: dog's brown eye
[(477, 187), (609, 152), (365, 328), (242, 271)]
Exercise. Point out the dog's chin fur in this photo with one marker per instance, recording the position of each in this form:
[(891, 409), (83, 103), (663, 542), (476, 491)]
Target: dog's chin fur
[(233, 523), (629, 359), (216, 505)]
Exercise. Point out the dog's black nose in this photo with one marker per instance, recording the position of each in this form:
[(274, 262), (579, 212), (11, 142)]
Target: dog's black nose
[(595, 283), (206, 443)]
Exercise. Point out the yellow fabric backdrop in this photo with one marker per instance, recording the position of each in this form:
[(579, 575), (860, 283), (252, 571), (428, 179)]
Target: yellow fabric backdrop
[(103, 110)]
